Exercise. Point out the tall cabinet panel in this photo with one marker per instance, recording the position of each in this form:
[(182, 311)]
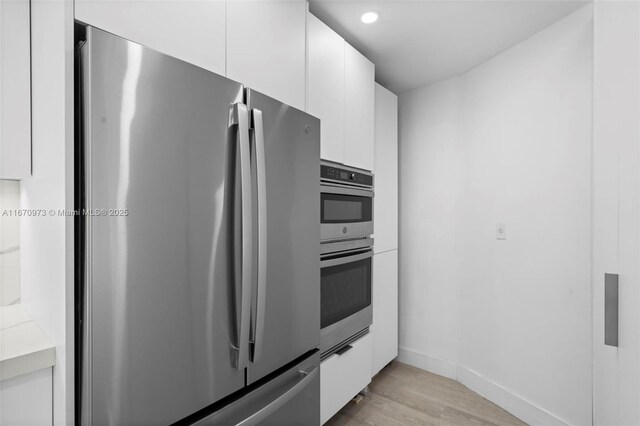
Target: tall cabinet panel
[(15, 90), (386, 170), (266, 47), (359, 109), (385, 309), (193, 31), (385, 260), (326, 86), (340, 91), (616, 210)]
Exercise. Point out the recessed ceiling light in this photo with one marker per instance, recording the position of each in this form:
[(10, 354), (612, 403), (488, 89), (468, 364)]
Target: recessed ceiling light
[(370, 17)]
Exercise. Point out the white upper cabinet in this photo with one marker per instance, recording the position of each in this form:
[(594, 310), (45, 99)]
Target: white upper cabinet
[(15, 90), (340, 92), (325, 86), (385, 309), (193, 31), (385, 203), (266, 45), (359, 107)]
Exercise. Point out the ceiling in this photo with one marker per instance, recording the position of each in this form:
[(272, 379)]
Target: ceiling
[(418, 42)]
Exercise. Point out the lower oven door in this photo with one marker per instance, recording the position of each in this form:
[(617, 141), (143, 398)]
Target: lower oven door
[(345, 296)]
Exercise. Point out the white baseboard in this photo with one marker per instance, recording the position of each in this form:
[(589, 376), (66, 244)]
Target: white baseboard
[(504, 398), (425, 362)]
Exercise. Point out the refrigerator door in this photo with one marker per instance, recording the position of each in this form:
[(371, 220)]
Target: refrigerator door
[(286, 307), (162, 177), (291, 398)]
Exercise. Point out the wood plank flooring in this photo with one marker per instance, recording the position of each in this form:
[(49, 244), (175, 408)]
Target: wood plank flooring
[(404, 395)]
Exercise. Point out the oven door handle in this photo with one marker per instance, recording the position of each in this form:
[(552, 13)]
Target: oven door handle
[(342, 190), (347, 259)]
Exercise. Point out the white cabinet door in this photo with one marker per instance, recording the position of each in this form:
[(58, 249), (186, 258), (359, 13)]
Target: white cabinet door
[(325, 86), (266, 42), (27, 399), (193, 31), (15, 90), (385, 168), (343, 376), (616, 209), (359, 109), (385, 309)]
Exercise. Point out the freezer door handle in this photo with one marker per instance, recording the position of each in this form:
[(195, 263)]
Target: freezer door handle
[(306, 377), (258, 157), (240, 116)]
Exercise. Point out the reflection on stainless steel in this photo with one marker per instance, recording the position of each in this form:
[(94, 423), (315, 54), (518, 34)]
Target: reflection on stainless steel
[(127, 114), (212, 320), (162, 314)]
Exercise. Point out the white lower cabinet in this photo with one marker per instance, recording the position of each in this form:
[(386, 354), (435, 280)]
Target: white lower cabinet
[(27, 399), (343, 376), (384, 329)]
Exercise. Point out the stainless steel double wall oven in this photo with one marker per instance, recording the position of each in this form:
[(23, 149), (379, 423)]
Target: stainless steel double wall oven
[(346, 216)]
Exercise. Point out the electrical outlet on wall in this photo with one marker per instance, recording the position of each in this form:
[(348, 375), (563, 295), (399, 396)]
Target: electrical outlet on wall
[(501, 231)]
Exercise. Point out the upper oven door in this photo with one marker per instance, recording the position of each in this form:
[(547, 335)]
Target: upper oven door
[(345, 212)]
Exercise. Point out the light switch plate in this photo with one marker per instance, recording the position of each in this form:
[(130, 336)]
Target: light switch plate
[(501, 231)]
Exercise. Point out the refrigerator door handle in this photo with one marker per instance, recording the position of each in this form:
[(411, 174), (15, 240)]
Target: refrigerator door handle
[(257, 325), (240, 117), (306, 377)]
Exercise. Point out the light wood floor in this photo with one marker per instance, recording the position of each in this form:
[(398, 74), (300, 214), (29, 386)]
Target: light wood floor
[(404, 395)]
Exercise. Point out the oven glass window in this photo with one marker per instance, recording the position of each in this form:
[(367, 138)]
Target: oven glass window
[(337, 208), (344, 290)]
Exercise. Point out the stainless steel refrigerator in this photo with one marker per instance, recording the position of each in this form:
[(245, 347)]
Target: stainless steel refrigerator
[(197, 251)]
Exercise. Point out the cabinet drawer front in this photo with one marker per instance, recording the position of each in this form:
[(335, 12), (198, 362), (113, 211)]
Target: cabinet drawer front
[(343, 376)]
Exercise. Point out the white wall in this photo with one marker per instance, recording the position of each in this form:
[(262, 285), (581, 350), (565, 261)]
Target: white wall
[(430, 178), (47, 242), (508, 142)]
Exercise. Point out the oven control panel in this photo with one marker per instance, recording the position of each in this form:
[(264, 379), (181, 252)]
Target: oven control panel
[(345, 175)]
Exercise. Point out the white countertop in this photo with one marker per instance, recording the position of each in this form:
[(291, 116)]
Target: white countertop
[(23, 346)]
